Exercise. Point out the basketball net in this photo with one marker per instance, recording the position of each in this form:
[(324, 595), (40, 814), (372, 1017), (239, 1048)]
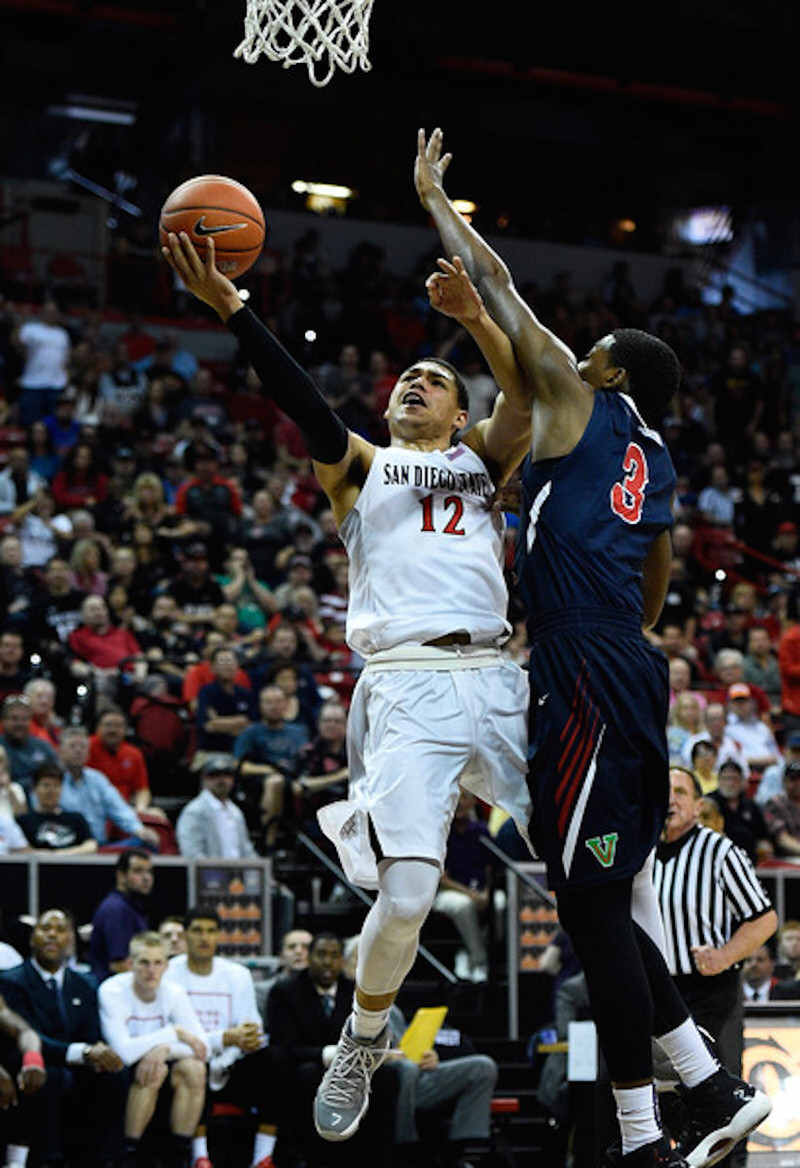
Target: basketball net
[(323, 35)]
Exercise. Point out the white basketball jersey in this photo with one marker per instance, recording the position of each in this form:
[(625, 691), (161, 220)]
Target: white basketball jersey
[(425, 550)]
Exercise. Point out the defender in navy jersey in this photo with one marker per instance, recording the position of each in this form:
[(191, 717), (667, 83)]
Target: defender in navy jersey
[(593, 566)]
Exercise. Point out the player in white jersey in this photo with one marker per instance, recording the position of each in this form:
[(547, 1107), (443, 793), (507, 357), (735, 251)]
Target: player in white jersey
[(436, 704), (242, 1069), (151, 1025)]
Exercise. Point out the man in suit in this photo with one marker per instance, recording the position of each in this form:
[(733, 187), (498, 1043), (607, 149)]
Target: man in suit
[(211, 825), (758, 975), (305, 1015), (77, 1115)]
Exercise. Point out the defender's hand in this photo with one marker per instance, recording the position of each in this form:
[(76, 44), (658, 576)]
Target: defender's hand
[(451, 292), (430, 166)]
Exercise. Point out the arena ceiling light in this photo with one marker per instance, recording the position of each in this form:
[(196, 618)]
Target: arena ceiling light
[(82, 108), (322, 197)]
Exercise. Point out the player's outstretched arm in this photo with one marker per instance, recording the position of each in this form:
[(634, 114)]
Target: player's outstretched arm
[(504, 439), (547, 363), (341, 458)]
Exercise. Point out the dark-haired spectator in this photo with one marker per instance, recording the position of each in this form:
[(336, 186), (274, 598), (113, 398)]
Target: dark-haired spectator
[(268, 752), (49, 828), (42, 534), (19, 485), (772, 779), (285, 647), (95, 797), (15, 670), (252, 597), (25, 751), (782, 813), (209, 500), (81, 482), (45, 346), (17, 583), (758, 975), (224, 709), (165, 641), (737, 391), (61, 424), (201, 673), (121, 388), (744, 822), (195, 590), (43, 459), (761, 665), (263, 532), (121, 914), (55, 613), (323, 767)]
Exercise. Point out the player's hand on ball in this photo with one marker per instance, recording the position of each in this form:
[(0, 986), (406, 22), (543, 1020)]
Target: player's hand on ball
[(451, 292), (200, 276)]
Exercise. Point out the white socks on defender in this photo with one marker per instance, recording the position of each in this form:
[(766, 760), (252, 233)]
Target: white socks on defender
[(199, 1148), (637, 1115), (16, 1155), (263, 1146), (689, 1055), (367, 1024)]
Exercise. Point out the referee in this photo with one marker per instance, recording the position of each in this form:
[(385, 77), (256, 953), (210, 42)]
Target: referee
[(715, 913)]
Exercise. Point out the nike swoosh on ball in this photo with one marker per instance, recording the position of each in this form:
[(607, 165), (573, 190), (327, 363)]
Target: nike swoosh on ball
[(201, 229)]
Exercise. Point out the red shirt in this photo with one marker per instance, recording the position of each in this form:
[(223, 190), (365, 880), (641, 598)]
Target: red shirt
[(201, 674), (104, 650), (789, 662), (126, 769)]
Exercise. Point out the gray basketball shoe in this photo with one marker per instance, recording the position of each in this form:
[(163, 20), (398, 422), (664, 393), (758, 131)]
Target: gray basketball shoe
[(343, 1095)]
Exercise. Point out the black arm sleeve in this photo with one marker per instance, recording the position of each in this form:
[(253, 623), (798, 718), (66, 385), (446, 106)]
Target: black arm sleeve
[(291, 388)]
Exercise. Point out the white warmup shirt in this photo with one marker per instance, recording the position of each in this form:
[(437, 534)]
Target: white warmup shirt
[(425, 549), (221, 999), (132, 1027), (47, 349)]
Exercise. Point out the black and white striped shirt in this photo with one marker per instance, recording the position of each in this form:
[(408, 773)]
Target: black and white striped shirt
[(706, 888)]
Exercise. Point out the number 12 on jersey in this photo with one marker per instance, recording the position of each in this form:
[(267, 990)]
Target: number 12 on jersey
[(627, 496), (453, 504)]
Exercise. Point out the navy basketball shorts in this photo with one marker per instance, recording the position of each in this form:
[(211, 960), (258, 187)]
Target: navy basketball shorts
[(598, 766)]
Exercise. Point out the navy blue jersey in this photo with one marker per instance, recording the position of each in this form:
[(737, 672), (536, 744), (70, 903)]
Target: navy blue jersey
[(590, 517)]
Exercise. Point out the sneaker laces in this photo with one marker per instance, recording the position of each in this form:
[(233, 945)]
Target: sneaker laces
[(349, 1067)]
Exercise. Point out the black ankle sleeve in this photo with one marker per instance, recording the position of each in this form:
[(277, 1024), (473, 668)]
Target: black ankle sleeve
[(291, 388)]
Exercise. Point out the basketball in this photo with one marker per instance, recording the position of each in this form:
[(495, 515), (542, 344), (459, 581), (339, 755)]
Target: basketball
[(218, 207)]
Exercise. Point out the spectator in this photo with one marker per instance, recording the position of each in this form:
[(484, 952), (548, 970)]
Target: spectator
[(17, 582), (224, 709), (754, 736), (733, 634), (14, 674), (80, 483), (782, 813), (85, 563), (208, 500), (76, 1117), (55, 612), (62, 428), (252, 597), (761, 665), (24, 750), (103, 651), (293, 957), (45, 346), (13, 800), (772, 778), (269, 755), (743, 820), (718, 733), (211, 826), (151, 1025), (716, 503), (758, 975), (95, 797), (305, 1015), (195, 591), (685, 721), (45, 723), (12, 837), (166, 642), (42, 534), (788, 966), (121, 388), (49, 828), (729, 669), (789, 664), (122, 762), (466, 888), (19, 485), (172, 932), (242, 1068), (324, 772), (201, 672), (263, 533), (121, 914)]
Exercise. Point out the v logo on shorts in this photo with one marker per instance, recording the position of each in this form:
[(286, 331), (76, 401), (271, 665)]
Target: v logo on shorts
[(604, 848)]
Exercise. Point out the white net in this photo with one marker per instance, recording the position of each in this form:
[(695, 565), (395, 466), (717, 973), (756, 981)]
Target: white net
[(323, 35)]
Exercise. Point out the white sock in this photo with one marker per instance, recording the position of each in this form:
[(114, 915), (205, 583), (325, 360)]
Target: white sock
[(262, 1147), (16, 1154), (689, 1055), (367, 1023), (637, 1116), (199, 1148)]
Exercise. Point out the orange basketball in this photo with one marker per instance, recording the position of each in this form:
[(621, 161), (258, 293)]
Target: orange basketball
[(214, 206)]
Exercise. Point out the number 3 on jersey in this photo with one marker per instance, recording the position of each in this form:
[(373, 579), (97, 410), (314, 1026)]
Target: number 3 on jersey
[(627, 496)]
